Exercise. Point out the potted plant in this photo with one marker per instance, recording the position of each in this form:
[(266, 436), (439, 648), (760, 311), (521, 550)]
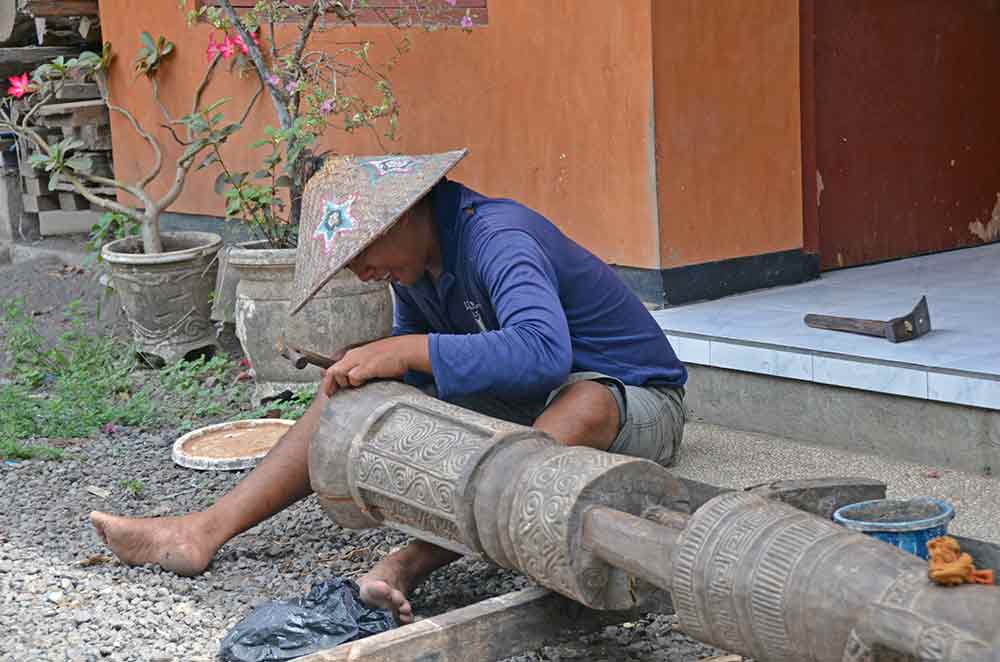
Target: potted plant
[(164, 280), (311, 92)]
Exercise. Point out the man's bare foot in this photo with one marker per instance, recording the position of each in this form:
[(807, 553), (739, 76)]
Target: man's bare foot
[(386, 586), (169, 542)]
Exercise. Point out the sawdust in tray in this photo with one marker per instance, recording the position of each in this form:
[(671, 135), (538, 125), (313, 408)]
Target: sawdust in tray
[(233, 442)]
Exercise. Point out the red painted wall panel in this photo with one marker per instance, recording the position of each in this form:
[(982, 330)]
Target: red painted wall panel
[(907, 127)]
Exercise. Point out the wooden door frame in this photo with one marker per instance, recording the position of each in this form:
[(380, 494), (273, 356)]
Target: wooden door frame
[(807, 91)]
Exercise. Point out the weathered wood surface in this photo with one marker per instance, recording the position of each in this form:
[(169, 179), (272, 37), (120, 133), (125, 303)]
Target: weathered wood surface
[(489, 630), (47, 8), (604, 529), (848, 324), (15, 61)]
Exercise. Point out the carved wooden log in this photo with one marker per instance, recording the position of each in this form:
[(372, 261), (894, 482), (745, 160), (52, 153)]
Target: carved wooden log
[(747, 574), (389, 454), (767, 580)]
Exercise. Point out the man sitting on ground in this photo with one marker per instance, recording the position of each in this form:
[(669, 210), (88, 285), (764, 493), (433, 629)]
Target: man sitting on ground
[(496, 311)]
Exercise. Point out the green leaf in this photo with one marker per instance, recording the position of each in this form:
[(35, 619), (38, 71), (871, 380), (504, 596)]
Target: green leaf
[(81, 163), (54, 180), (220, 183), (262, 174), (67, 144), (284, 181), (260, 143), (216, 104), (147, 41)]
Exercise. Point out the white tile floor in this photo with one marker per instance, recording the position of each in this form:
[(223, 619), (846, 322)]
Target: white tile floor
[(763, 331)]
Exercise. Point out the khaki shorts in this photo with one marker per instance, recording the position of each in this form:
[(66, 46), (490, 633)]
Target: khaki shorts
[(652, 417)]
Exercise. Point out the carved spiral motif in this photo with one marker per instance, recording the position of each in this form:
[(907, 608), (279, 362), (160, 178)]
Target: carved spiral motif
[(540, 521)]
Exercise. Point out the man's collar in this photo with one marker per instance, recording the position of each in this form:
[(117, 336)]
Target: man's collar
[(447, 204)]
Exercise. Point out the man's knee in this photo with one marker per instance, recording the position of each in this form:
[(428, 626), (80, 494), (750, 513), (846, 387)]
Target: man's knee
[(592, 410)]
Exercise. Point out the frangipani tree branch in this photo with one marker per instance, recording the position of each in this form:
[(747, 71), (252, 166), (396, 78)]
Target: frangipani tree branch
[(279, 97)]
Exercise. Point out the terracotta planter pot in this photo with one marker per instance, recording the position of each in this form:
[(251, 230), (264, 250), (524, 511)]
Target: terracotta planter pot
[(166, 296), (345, 312)]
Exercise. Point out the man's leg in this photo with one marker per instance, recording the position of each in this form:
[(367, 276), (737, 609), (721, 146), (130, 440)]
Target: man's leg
[(584, 414), (185, 545)]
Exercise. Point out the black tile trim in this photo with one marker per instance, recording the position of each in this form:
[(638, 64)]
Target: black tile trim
[(713, 280)]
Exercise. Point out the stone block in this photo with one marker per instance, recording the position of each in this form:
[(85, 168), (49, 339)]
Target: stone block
[(66, 222), (10, 204), (72, 202)]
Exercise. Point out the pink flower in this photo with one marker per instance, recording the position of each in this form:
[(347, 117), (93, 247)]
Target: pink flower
[(326, 107), (19, 85), (466, 22), (213, 47), (227, 48), (451, 2), (109, 428), (292, 86), (273, 79), (238, 40)]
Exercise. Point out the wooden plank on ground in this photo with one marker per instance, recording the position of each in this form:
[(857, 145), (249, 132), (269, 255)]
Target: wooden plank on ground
[(489, 630), (43, 8)]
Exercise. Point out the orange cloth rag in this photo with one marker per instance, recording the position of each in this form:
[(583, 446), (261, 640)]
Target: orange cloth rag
[(950, 566)]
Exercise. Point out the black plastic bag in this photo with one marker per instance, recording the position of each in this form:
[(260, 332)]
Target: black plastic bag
[(331, 614)]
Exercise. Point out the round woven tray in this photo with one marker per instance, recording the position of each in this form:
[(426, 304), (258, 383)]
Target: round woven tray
[(229, 446)]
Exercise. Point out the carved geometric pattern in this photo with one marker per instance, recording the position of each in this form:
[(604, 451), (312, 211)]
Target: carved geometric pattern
[(409, 464), (935, 641), (732, 541), (856, 650), (903, 591)]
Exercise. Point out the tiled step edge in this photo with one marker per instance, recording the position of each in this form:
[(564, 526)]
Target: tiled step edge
[(969, 389)]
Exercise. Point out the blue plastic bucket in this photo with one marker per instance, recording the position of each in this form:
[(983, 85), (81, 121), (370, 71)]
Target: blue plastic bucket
[(905, 523)]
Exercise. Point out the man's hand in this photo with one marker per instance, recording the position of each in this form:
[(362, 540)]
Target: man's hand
[(389, 358)]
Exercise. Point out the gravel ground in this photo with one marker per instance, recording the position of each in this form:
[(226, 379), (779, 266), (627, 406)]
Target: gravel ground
[(62, 598)]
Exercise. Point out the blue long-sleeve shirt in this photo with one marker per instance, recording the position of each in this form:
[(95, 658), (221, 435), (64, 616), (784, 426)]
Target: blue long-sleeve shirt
[(518, 306)]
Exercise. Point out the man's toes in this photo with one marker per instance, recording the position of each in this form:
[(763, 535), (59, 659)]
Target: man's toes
[(404, 610), (97, 519)]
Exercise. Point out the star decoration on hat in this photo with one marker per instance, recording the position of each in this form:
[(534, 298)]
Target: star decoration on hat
[(337, 218)]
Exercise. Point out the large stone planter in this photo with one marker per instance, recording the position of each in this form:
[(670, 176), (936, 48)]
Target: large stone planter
[(166, 296), (345, 312)]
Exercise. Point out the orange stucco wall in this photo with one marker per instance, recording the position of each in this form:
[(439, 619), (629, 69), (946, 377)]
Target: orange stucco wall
[(728, 147), (553, 98)]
